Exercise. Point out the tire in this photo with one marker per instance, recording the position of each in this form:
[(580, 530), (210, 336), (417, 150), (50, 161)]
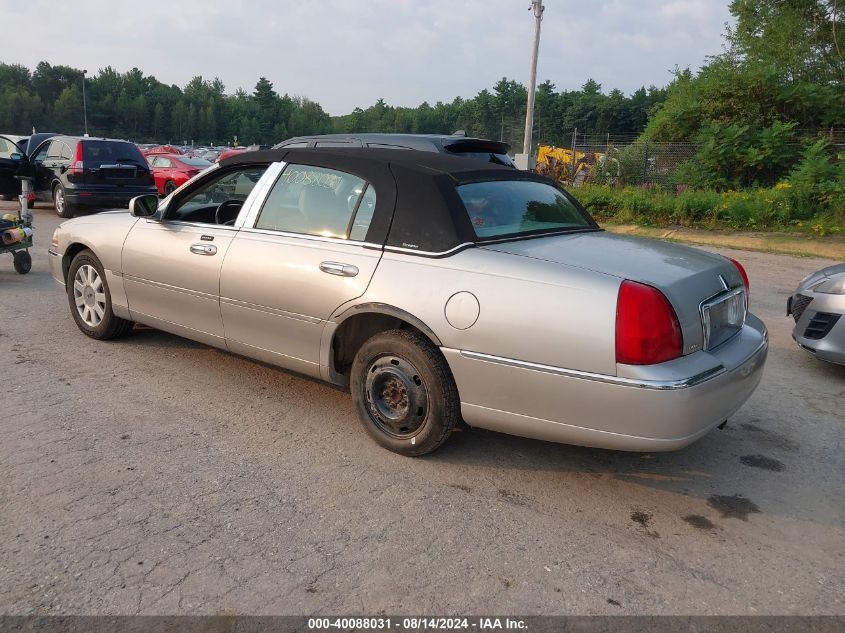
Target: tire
[(404, 393), (90, 299), (64, 209), (169, 187), (22, 262)]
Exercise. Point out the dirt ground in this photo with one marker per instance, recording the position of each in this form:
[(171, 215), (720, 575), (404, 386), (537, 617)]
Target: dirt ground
[(155, 475)]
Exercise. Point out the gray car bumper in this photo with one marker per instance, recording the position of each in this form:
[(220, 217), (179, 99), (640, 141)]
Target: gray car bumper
[(820, 328), (665, 409)]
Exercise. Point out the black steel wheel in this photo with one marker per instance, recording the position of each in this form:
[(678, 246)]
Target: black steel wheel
[(22, 262), (404, 393), (396, 396)]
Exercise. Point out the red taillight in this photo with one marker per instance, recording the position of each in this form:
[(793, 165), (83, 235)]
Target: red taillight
[(77, 167), (744, 276), (192, 172), (647, 328)]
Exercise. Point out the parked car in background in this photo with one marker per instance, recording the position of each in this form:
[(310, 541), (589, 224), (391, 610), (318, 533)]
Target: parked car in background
[(457, 144), (818, 307), (234, 151), (171, 171), (74, 171), (161, 149), (436, 289)]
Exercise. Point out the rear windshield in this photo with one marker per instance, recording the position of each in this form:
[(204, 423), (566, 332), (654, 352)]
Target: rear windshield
[(193, 162), (500, 208), (111, 152)]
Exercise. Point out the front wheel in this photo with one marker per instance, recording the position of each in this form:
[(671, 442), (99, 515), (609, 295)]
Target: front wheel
[(90, 299), (404, 393)]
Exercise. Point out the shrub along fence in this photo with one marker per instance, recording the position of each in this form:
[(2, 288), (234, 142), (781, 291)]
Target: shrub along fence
[(787, 180)]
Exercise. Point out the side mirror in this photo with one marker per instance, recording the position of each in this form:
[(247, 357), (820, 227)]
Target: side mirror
[(143, 206)]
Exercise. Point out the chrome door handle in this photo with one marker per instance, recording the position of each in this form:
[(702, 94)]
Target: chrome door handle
[(336, 268), (203, 249)]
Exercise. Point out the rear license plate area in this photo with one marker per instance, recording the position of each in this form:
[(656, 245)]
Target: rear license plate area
[(723, 316)]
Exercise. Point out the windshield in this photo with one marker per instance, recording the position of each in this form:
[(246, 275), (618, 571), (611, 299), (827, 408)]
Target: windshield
[(499, 208), (96, 153)]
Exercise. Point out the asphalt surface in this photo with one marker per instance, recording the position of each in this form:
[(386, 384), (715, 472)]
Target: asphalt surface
[(155, 475)]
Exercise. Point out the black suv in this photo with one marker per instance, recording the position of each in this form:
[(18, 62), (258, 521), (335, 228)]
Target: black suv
[(457, 144), (73, 171)]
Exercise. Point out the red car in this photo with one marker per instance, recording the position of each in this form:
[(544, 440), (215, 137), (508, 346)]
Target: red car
[(173, 170), (232, 152)]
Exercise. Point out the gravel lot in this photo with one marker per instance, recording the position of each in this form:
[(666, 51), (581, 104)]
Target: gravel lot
[(155, 475)]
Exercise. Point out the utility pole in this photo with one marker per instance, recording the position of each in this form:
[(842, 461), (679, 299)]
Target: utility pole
[(84, 103), (538, 8)]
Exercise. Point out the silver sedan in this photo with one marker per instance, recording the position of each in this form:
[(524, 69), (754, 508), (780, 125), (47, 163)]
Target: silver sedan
[(818, 307), (438, 290)]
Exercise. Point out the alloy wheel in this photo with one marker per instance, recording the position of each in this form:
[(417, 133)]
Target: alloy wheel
[(89, 295)]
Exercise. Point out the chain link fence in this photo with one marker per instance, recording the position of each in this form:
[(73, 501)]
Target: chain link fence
[(628, 160)]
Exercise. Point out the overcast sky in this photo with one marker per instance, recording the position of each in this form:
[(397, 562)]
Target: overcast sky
[(348, 53)]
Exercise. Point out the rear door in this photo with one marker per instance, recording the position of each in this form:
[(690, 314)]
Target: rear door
[(114, 163), (296, 260), (56, 162)]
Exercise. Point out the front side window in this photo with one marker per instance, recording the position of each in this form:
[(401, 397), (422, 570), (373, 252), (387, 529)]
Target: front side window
[(500, 208), (318, 201), (231, 187)]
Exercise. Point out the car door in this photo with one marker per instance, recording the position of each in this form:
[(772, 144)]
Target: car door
[(160, 168), (171, 265), (41, 173), (55, 163), (298, 257), (12, 163)]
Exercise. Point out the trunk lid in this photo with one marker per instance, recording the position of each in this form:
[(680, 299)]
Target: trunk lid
[(687, 276)]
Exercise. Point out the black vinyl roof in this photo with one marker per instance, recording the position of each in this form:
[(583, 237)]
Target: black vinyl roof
[(417, 207)]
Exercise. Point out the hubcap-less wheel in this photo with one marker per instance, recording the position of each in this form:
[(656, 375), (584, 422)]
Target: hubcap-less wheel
[(396, 396), (89, 295)]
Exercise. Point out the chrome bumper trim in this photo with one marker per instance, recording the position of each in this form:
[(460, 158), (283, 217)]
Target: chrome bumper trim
[(52, 252), (660, 385)]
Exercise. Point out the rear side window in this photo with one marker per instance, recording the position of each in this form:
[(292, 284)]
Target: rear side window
[(318, 201), (499, 208), (55, 150), (95, 153)]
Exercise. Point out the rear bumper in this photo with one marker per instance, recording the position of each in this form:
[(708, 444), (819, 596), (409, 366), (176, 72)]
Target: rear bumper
[(663, 409), (104, 197)]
